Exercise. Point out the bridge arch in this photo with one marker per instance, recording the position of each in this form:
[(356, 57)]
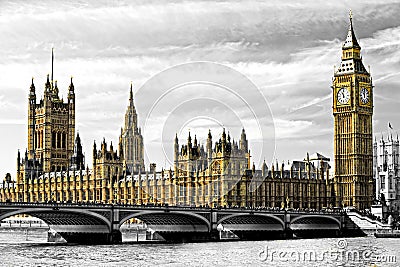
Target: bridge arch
[(42, 212), (323, 217), (190, 216), (277, 219)]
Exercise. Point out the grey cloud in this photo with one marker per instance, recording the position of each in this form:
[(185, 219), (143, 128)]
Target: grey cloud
[(287, 48)]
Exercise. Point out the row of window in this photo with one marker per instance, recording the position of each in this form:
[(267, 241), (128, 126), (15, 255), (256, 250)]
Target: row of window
[(58, 140)]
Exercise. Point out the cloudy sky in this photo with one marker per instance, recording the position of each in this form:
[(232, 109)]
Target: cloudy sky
[(288, 49)]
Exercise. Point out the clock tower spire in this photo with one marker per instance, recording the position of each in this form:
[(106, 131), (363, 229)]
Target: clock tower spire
[(352, 110)]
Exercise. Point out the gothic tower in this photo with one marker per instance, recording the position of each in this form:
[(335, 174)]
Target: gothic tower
[(352, 111), (132, 140), (211, 171), (51, 127), (78, 158)]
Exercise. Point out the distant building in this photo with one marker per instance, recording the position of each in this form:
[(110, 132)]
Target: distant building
[(387, 171)]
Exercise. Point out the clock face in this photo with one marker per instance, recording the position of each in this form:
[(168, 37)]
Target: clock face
[(364, 95), (343, 96)]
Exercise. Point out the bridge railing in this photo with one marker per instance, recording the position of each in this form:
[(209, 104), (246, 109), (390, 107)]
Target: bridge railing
[(164, 207)]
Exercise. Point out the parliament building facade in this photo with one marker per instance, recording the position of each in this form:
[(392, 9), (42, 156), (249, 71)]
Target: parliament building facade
[(213, 174)]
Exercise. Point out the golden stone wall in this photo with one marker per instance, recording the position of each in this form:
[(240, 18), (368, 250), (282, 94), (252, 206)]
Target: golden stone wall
[(163, 188), (353, 110)]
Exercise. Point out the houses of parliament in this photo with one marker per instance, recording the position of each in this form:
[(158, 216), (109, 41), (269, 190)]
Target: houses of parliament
[(218, 173)]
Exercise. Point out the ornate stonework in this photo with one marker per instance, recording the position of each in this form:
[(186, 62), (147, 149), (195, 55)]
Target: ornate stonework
[(353, 110)]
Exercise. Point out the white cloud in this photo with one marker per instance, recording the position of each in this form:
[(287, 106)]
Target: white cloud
[(287, 128)]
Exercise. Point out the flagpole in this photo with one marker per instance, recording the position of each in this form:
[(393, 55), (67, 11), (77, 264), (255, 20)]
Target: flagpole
[(52, 67)]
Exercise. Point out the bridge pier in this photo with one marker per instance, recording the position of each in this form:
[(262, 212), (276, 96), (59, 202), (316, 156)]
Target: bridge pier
[(287, 234), (85, 238), (115, 237), (184, 237), (214, 235), (317, 233), (261, 235)]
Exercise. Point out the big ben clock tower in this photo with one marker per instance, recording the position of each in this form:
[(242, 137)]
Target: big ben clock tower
[(352, 111)]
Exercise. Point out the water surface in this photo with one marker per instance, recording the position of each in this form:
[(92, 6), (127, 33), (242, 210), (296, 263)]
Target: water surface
[(21, 249)]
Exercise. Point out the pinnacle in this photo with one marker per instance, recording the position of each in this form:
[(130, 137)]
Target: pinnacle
[(351, 40)]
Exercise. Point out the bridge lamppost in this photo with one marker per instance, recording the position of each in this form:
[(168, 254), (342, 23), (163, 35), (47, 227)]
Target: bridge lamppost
[(137, 233), (220, 228)]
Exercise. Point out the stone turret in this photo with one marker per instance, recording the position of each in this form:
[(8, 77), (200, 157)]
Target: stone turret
[(243, 143), (78, 159), (176, 148)]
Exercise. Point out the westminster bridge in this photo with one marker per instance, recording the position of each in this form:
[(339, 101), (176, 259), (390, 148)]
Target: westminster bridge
[(100, 223)]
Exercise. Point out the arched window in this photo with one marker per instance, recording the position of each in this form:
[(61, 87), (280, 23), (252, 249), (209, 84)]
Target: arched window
[(53, 140), (40, 139), (58, 140), (64, 143), (36, 139)]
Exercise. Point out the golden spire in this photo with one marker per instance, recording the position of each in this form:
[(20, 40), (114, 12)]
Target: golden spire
[(131, 93), (351, 40)]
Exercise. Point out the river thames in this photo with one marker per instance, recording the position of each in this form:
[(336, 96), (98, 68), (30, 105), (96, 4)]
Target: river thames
[(19, 248)]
